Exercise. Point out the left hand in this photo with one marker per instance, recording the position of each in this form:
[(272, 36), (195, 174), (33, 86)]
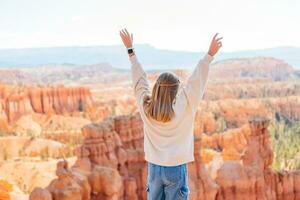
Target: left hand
[(126, 38)]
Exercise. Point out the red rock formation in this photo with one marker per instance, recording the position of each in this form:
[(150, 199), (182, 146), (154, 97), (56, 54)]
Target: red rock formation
[(111, 159), (218, 116), (5, 189), (111, 165), (60, 100), (254, 179), (15, 102), (41, 194)]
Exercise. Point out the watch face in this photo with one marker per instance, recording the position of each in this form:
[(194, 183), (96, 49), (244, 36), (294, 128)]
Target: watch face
[(130, 50)]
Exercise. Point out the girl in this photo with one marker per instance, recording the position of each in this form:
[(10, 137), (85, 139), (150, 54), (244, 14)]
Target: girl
[(168, 115)]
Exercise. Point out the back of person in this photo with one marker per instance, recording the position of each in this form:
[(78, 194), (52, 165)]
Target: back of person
[(168, 113)]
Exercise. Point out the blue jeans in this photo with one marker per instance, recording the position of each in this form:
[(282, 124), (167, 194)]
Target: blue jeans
[(167, 183)]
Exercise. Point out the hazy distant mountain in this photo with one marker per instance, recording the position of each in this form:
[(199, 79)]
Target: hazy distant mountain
[(151, 57), (257, 67)]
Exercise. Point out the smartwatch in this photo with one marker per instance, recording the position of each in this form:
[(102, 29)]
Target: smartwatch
[(130, 50)]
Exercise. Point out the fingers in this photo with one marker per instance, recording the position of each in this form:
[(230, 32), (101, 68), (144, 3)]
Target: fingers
[(125, 33), (219, 39), (215, 36), (215, 45), (122, 34), (219, 42), (126, 37)]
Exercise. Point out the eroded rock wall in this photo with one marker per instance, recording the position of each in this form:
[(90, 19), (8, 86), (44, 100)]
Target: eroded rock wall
[(110, 165), (17, 101)]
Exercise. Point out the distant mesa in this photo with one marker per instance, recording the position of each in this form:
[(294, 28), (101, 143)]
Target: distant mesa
[(104, 73), (264, 67)]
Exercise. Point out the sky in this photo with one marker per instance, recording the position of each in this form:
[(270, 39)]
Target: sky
[(167, 24)]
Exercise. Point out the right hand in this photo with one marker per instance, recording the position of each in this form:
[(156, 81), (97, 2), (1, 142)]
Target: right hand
[(126, 38), (215, 45)]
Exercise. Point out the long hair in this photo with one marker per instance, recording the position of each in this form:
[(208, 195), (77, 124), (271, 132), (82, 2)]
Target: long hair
[(160, 105)]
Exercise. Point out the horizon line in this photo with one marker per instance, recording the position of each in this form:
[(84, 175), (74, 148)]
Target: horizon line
[(141, 44)]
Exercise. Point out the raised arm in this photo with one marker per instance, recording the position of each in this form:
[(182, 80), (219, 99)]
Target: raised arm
[(139, 78), (196, 82)]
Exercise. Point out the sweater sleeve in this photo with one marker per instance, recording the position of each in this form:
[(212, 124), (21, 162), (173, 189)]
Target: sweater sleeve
[(139, 80), (195, 86)]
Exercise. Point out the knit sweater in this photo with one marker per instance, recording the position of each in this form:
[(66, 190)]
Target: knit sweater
[(171, 143)]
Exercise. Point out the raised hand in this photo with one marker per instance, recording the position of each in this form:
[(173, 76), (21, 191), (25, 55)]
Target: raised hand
[(126, 38), (215, 45)]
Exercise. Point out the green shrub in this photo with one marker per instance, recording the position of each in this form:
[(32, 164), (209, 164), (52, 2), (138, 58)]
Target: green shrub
[(285, 139)]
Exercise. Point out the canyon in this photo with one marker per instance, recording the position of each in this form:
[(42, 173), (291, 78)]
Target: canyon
[(46, 100), (73, 132), (110, 165)]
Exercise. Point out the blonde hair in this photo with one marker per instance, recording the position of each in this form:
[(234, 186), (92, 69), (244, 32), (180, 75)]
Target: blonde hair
[(160, 105)]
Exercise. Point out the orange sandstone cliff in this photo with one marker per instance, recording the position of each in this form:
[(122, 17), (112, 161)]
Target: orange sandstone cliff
[(60, 100), (5, 189), (110, 165)]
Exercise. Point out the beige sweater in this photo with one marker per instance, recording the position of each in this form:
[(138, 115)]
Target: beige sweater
[(171, 143)]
